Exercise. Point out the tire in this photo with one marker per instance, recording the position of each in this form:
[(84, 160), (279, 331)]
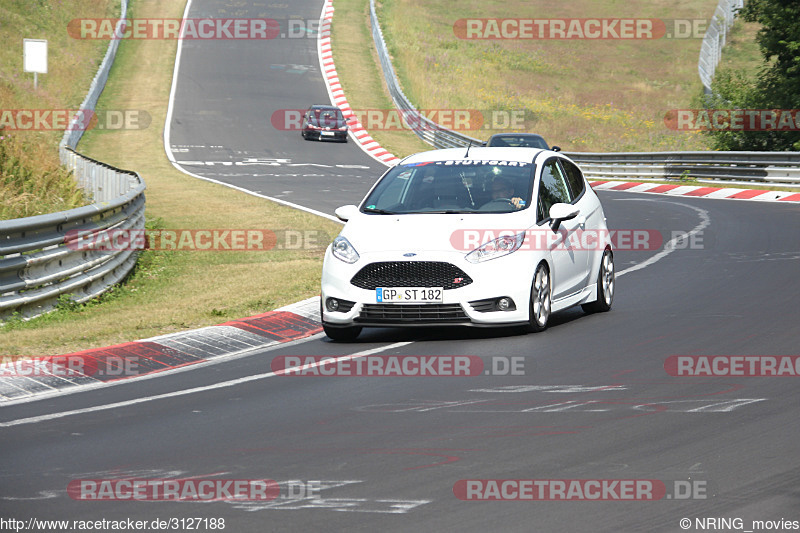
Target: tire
[(540, 301), (342, 334), (605, 286)]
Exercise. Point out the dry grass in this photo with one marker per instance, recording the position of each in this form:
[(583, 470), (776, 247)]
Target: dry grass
[(741, 51), (583, 95), (32, 182)]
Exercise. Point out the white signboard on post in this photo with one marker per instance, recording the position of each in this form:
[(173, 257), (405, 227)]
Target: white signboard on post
[(34, 57)]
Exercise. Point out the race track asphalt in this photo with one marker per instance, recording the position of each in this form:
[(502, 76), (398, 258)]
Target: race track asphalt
[(593, 402)]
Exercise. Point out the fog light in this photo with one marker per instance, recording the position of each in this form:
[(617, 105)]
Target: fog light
[(505, 304), (332, 304)]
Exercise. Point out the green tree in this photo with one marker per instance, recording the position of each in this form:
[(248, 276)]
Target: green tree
[(777, 85)]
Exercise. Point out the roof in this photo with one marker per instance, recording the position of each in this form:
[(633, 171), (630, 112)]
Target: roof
[(476, 153)]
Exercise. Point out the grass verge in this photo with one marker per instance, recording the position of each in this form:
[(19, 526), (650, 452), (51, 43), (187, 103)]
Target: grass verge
[(174, 291), (360, 75)]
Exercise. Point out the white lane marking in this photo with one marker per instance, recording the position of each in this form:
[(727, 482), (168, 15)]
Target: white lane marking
[(315, 500), (184, 392), (705, 221), (173, 89), (171, 156)]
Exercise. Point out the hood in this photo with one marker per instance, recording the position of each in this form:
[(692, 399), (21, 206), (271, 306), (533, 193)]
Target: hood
[(419, 233)]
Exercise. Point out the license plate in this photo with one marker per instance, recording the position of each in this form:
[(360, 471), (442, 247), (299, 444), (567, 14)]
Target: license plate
[(328, 133), (413, 295)]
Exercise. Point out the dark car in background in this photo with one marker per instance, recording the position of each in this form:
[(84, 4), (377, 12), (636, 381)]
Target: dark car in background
[(519, 140), (324, 122)]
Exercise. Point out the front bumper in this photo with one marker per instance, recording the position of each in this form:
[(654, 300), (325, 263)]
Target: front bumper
[(326, 135), (470, 305)]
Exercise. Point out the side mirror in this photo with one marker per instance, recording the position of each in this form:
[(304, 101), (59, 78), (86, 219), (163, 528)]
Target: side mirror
[(346, 212), (560, 212), (556, 148)]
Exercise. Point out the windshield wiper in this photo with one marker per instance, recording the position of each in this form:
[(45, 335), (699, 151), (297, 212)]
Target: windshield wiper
[(378, 211)]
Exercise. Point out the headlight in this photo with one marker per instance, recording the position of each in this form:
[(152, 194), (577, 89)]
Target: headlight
[(342, 249), (499, 247)]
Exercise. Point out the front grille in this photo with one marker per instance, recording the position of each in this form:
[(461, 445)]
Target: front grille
[(411, 274), (423, 313)]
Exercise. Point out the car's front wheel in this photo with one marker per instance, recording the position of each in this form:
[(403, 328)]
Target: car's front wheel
[(342, 334), (540, 301), (605, 286)]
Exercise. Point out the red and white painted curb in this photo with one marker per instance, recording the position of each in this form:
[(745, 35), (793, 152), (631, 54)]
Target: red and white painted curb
[(29, 379), (336, 93), (697, 191)]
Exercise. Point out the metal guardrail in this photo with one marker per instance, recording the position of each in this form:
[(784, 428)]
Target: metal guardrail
[(41, 257), (75, 131), (426, 129), (715, 38), (767, 167)]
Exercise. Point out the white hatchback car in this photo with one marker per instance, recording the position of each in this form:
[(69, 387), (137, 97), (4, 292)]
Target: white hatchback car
[(469, 237)]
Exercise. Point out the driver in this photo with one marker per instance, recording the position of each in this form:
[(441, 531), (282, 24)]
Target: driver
[(502, 190)]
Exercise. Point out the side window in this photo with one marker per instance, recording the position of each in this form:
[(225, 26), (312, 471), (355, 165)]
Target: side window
[(552, 188), (574, 178)]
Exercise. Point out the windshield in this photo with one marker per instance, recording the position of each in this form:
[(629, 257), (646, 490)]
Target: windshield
[(459, 186), (524, 141), (327, 117)]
